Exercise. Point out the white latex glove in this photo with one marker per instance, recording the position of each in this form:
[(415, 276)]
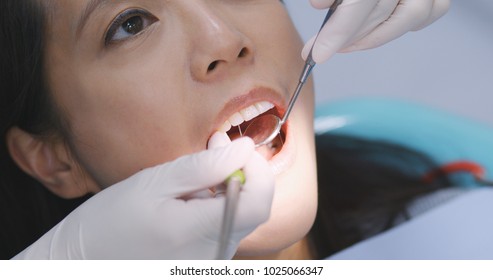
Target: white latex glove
[(143, 217), (365, 24)]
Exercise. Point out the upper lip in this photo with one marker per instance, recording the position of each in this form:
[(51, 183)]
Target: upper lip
[(256, 94)]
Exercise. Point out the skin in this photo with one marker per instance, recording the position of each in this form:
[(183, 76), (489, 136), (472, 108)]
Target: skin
[(150, 98)]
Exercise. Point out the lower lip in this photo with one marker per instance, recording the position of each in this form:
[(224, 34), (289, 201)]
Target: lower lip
[(284, 159)]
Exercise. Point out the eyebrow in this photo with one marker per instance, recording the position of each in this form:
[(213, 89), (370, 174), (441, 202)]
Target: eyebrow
[(88, 10)]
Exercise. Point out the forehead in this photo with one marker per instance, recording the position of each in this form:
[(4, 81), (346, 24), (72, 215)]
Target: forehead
[(63, 15), (65, 18)]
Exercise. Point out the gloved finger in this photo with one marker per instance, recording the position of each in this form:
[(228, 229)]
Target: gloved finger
[(193, 227), (218, 139), (380, 13), (322, 4), (307, 47), (255, 201), (253, 206), (440, 7), (202, 223), (407, 16), (346, 21), (192, 173), (202, 219)]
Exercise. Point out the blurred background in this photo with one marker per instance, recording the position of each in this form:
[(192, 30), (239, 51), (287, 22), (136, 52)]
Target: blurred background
[(448, 65)]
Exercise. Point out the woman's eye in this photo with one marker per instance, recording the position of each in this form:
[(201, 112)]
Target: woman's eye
[(127, 25)]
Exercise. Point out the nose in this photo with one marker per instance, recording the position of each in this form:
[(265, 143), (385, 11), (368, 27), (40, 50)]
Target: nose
[(219, 47)]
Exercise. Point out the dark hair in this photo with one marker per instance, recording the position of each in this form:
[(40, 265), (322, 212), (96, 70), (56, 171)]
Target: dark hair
[(364, 188), (27, 209)]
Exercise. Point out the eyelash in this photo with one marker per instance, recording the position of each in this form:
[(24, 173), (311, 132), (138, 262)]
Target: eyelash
[(147, 18)]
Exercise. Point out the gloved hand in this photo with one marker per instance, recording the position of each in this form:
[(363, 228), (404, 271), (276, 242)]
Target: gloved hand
[(146, 217), (365, 24)]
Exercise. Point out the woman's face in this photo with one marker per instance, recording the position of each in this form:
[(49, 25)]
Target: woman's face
[(144, 82)]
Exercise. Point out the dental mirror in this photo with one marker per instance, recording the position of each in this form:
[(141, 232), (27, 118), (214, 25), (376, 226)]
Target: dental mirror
[(265, 128)]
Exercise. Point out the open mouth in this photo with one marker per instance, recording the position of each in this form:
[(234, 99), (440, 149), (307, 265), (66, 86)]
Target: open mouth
[(239, 122)]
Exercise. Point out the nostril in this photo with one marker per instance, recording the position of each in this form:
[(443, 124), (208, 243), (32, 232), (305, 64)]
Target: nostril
[(212, 66), (243, 52)]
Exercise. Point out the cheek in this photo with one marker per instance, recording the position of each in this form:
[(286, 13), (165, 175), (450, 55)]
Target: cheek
[(280, 46), (114, 147), (125, 122)]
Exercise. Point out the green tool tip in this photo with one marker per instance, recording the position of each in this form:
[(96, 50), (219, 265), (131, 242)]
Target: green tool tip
[(238, 174)]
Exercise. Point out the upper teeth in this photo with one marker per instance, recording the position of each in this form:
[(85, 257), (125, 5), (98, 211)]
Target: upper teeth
[(246, 114)]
